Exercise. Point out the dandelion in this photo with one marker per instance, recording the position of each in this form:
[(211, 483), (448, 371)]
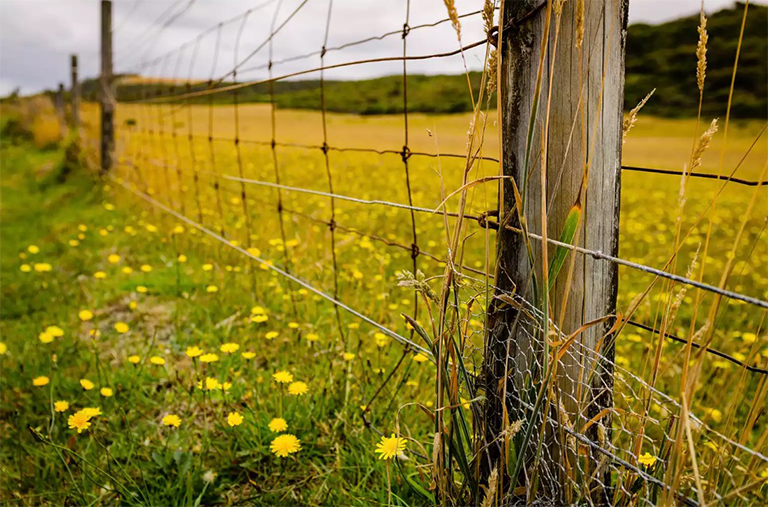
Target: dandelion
[(127, 270), (141, 289), (271, 335), (293, 325), (284, 445), (171, 420), (283, 377), (207, 267), (100, 275), (25, 268), (157, 360), (40, 381), (3, 348), (55, 331), (209, 358), (121, 327), (312, 337), (211, 384), (234, 419), (348, 356), (91, 411), (61, 406), (211, 288), (229, 348), (647, 459), (254, 251), (381, 339), (73, 242), (106, 392), (113, 259), (248, 355), (42, 267), (86, 384), (146, 268), (85, 315), (181, 259), (390, 447), (298, 389), (134, 359), (178, 230), (259, 318), (45, 337), (419, 358), (277, 425), (33, 249), (194, 351), (79, 421)]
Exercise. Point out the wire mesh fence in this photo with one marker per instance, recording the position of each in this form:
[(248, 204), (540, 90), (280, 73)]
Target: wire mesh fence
[(340, 207)]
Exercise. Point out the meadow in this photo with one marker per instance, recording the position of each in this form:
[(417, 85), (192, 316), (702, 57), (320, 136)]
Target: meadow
[(208, 378)]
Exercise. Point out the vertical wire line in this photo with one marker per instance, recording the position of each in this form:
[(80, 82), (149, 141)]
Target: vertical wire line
[(211, 150), (161, 134), (407, 153), (332, 223), (190, 134), (243, 195), (273, 143), (174, 136)]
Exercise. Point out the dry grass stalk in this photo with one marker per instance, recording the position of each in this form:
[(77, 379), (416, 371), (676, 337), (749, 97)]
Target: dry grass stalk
[(704, 141), (488, 8), (701, 50), (631, 118), (492, 74), (454, 16), (579, 23), (490, 491)]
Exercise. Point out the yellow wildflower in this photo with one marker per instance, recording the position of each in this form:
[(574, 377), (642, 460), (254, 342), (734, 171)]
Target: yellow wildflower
[(271, 335), (55, 331), (121, 327), (79, 421), (248, 355), (277, 425), (390, 447), (284, 445), (283, 377), (234, 419), (647, 459), (134, 359), (85, 315), (113, 259), (106, 392), (61, 406), (33, 249), (194, 351), (348, 356), (207, 267), (100, 275), (45, 337), (211, 288), (209, 358), (298, 388), (229, 348), (157, 360), (419, 358), (40, 381), (146, 268), (141, 289), (181, 259), (171, 420), (86, 384)]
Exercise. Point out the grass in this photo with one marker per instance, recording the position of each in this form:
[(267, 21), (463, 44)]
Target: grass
[(129, 456)]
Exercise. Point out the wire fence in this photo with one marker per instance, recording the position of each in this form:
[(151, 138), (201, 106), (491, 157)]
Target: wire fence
[(339, 220)]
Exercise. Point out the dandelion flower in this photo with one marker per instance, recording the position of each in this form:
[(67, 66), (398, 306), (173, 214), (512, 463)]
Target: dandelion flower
[(171, 420), (271, 335), (284, 445), (293, 325), (390, 447), (381, 339), (3, 348), (211, 384), (312, 337), (86, 384), (277, 425), (234, 419), (181, 259), (211, 288), (298, 388), (91, 411), (157, 360), (25, 268), (229, 348), (43, 267), (121, 327), (33, 249), (55, 331), (141, 289), (254, 251), (419, 358), (178, 230), (348, 356), (248, 355), (61, 406), (257, 310), (259, 318), (99, 275), (207, 267), (113, 259), (45, 337), (85, 315), (146, 268), (79, 421), (127, 270), (283, 377), (194, 351), (134, 359), (209, 358), (106, 392), (40, 381), (647, 459)]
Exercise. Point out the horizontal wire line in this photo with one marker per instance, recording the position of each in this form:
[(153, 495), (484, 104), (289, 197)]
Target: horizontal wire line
[(596, 254), (405, 341), (224, 89)]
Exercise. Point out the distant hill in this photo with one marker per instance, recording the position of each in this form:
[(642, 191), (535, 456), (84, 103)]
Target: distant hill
[(658, 56)]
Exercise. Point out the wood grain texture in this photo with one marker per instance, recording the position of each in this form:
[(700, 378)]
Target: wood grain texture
[(576, 138)]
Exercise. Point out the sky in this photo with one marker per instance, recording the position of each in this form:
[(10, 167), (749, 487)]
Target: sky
[(178, 38)]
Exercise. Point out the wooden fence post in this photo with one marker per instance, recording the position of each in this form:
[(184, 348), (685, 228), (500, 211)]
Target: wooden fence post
[(74, 97), (107, 98), (61, 110), (586, 71)]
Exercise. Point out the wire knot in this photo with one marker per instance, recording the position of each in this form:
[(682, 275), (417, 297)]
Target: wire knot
[(414, 250), (405, 154), (269, 67), (406, 30), (280, 206), (324, 148), (322, 52), (273, 144), (332, 225), (482, 220), (493, 36), (237, 141)]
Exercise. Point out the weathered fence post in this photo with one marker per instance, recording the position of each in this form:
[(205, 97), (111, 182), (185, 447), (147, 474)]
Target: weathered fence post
[(61, 109), (74, 97), (582, 157), (107, 97)]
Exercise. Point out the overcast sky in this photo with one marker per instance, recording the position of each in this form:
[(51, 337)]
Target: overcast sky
[(36, 36)]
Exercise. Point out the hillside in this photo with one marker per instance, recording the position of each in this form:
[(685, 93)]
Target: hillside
[(658, 56)]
